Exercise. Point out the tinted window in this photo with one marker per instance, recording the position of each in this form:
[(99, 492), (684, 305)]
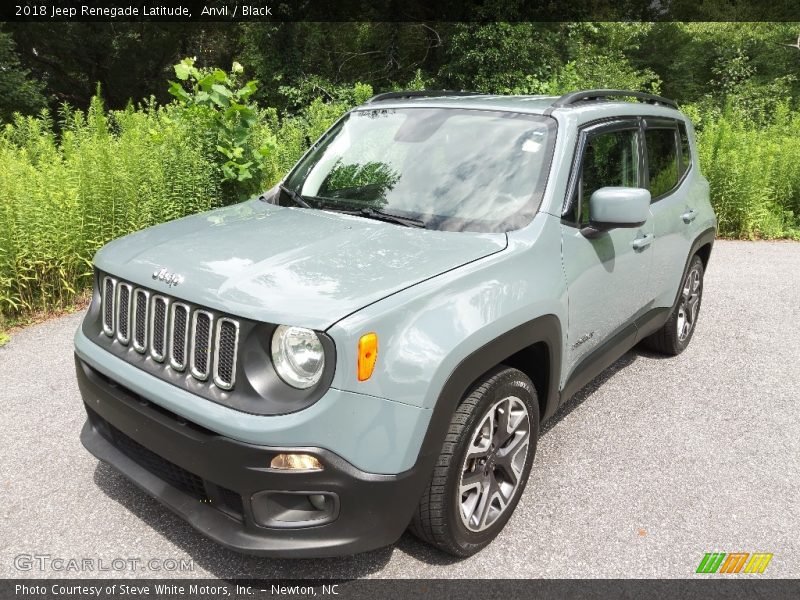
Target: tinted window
[(610, 159), (662, 160), (686, 154)]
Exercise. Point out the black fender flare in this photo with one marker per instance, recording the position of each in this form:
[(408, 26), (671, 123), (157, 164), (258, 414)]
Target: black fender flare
[(545, 329), (707, 236)]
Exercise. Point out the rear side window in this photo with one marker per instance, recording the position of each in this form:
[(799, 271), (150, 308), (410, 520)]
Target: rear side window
[(686, 154), (610, 159), (662, 160)]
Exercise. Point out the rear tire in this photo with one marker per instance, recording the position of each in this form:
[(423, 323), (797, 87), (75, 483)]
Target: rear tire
[(677, 332), (483, 466)]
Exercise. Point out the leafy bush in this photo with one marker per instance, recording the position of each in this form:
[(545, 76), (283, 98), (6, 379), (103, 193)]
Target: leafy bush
[(610, 71), (219, 101)]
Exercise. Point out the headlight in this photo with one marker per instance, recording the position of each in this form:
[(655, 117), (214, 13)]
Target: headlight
[(298, 356)]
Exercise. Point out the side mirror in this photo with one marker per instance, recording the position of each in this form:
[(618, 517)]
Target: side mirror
[(612, 207)]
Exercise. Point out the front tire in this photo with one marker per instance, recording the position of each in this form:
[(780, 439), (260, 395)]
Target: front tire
[(483, 467), (677, 332)]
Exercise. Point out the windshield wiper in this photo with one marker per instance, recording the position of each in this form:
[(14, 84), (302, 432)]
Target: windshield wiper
[(379, 215), (296, 197)]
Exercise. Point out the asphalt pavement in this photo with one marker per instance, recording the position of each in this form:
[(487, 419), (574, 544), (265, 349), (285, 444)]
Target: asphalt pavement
[(657, 462)]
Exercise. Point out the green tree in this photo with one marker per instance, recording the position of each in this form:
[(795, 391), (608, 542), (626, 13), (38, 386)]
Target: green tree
[(129, 60), (501, 58), (319, 56), (695, 60), (18, 91)]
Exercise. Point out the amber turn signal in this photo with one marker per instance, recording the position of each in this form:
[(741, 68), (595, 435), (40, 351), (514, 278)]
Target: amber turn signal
[(367, 355), (295, 462)]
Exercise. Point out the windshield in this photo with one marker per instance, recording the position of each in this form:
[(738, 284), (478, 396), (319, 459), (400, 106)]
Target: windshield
[(451, 169)]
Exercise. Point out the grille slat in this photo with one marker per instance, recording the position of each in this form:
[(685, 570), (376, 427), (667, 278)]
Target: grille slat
[(109, 285), (158, 328), (140, 310), (123, 312), (154, 324), (225, 353), (201, 344), (179, 326)]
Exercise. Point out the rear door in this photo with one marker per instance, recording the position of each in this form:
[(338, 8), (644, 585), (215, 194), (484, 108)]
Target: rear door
[(607, 278), (668, 162)]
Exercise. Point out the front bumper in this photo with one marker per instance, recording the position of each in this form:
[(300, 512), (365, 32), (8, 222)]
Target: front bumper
[(210, 480)]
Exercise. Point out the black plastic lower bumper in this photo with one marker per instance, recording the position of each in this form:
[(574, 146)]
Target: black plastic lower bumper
[(218, 484)]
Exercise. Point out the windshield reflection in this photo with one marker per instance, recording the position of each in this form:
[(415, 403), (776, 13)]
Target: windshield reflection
[(453, 169)]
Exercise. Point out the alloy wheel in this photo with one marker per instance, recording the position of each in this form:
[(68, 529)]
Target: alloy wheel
[(689, 304), (494, 463)]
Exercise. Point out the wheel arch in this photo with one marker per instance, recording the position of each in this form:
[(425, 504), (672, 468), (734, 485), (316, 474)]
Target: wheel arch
[(700, 247), (533, 347), (704, 252)]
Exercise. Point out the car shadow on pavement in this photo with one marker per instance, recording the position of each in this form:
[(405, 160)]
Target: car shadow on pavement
[(582, 396), (220, 561), (227, 564)]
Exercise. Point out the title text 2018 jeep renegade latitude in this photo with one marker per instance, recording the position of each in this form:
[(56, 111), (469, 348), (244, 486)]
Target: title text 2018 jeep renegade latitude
[(376, 341)]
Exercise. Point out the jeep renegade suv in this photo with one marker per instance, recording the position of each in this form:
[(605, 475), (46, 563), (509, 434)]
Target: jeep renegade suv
[(375, 342)]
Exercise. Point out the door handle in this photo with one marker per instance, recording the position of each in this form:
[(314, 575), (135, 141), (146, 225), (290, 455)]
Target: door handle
[(642, 242), (689, 216)]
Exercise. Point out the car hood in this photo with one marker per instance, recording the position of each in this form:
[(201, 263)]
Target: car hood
[(289, 265)]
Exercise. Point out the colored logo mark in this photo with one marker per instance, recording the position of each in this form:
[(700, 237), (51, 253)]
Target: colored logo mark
[(734, 562)]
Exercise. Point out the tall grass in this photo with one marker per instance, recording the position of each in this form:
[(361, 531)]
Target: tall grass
[(754, 172), (106, 175)]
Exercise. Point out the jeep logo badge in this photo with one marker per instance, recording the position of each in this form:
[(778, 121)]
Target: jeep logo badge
[(171, 279)]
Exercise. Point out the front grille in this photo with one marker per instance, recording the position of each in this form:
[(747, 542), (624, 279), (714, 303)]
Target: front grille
[(171, 332), (232, 500), (176, 476)]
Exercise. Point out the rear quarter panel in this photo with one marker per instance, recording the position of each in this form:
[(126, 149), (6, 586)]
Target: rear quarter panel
[(700, 192)]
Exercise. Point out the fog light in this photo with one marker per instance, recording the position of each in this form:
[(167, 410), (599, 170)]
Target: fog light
[(295, 462), (318, 501)]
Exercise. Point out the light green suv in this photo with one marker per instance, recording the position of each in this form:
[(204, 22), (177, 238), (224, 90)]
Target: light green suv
[(375, 342)]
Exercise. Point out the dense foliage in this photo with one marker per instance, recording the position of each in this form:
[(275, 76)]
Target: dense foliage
[(686, 61), (102, 168)]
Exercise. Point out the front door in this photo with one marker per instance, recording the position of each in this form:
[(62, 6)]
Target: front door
[(607, 275)]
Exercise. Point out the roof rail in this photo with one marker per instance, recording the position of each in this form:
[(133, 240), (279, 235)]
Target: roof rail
[(591, 95), (418, 94)]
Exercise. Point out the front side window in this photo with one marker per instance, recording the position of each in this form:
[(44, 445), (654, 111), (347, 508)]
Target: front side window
[(662, 160), (451, 169), (609, 159)]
